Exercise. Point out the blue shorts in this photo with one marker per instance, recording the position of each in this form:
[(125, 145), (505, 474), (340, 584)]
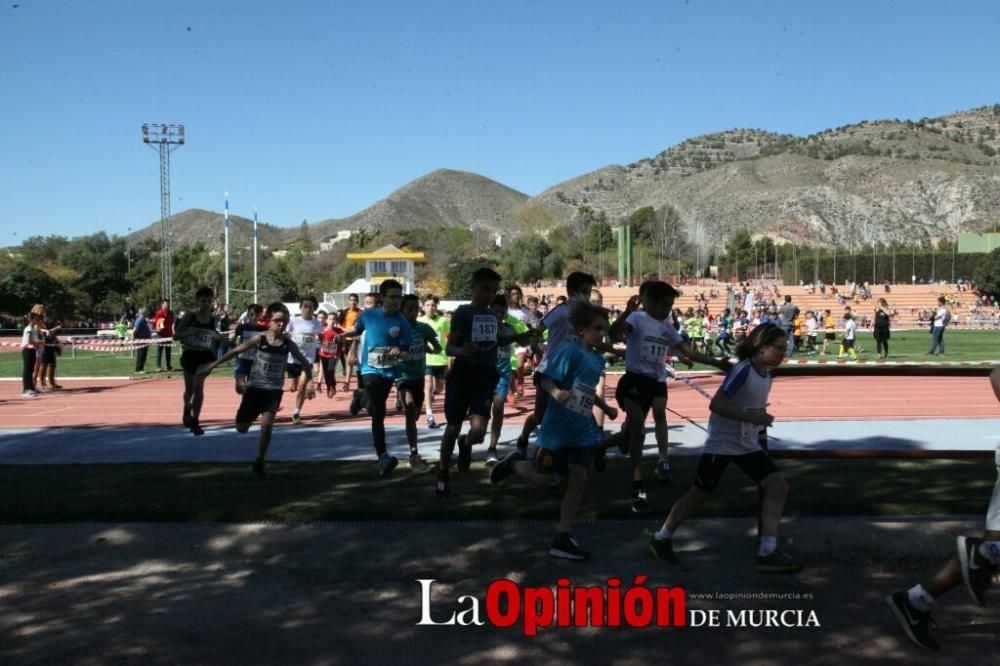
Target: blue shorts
[(503, 386), (242, 367), (557, 461)]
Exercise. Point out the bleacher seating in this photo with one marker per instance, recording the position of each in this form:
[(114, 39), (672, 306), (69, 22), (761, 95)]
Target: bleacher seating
[(908, 299)]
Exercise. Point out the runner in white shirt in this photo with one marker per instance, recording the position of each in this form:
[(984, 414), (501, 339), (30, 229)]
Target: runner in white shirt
[(649, 336), (305, 330)]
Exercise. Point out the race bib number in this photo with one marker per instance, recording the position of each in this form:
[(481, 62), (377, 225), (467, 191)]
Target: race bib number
[(251, 353), (268, 372), (582, 401), (303, 339), (418, 352), (378, 357), (484, 330), (199, 338), (654, 349), (329, 348)]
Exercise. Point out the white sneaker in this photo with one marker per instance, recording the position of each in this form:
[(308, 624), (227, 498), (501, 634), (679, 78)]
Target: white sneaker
[(30, 394)]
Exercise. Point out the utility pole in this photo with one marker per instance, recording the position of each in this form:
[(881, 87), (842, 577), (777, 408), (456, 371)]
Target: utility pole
[(165, 139)]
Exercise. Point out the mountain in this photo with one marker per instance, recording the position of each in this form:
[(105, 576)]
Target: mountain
[(194, 225), (441, 198), (876, 180)]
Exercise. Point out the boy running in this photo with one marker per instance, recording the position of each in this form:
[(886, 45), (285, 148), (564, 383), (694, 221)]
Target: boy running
[(196, 331), (437, 363), (410, 384), (305, 331), (569, 431), (472, 381), (248, 328), (850, 333), (328, 351), (738, 420), (509, 327), (560, 331), (829, 334), (386, 342), (265, 385)]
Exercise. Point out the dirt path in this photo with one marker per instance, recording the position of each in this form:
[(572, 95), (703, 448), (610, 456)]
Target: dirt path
[(348, 593)]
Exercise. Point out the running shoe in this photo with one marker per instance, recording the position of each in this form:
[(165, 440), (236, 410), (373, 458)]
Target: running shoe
[(662, 471), (296, 419), (386, 464), (777, 562), (565, 547), (977, 571), (662, 549), (196, 429), (916, 624), (491, 457), (640, 503), (443, 486), (417, 463), (505, 467), (431, 423)]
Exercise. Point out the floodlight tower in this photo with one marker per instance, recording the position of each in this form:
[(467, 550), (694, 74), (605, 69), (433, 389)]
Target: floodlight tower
[(165, 139)]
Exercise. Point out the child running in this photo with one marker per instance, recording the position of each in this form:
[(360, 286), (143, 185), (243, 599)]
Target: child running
[(437, 363), (829, 334), (386, 341), (196, 331), (648, 337), (738, 418), (265, 385), (975, 564), (473, 379), (305, 331), (328, 351), (556, 324), (569, 432), (850, 333), (509, 327), (410, 384), (246, 329)]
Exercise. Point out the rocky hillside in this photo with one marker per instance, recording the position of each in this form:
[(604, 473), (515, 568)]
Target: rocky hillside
[(875, 180), (441, 198), (194, 225)]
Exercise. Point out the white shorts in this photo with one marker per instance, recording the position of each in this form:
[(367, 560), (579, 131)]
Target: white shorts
[(993, 513)]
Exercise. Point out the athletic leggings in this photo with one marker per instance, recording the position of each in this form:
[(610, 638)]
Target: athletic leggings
[(329, 366), (29, 357), (377, 389)]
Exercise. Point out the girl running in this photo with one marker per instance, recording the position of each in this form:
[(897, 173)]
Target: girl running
[(739, 418), (196, 331), (569, 434)]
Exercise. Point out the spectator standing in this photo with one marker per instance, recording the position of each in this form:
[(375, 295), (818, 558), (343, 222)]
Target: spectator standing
[(940, 321), (141, 331), (788, 314), (880, 330), (163, 322), (222, 323), (31, 341)]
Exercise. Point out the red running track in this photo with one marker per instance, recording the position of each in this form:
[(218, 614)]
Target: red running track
[(157, 401)]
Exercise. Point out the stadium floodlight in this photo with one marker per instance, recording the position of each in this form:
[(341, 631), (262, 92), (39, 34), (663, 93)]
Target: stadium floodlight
[(164, 139)]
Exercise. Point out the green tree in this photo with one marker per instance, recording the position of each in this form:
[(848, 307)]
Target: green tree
[(24, 285), (459, 276), (643, 222), (523, 260), (987, 274)]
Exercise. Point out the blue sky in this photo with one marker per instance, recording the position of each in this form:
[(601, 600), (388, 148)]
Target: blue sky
[(311, 110)]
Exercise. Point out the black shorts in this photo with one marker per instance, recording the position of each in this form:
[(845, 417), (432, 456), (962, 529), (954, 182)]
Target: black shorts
[(639, 389), (256, 402), (757, 465), (848, 344), (436, 371), (469, 392), (830, 336), (192, 360), (557, 461), (415, 387), (293, 370), (376, 388)]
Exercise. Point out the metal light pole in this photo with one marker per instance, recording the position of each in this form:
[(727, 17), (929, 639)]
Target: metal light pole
[(225, 225), (161, 138), (128, 249), (255, 300)]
